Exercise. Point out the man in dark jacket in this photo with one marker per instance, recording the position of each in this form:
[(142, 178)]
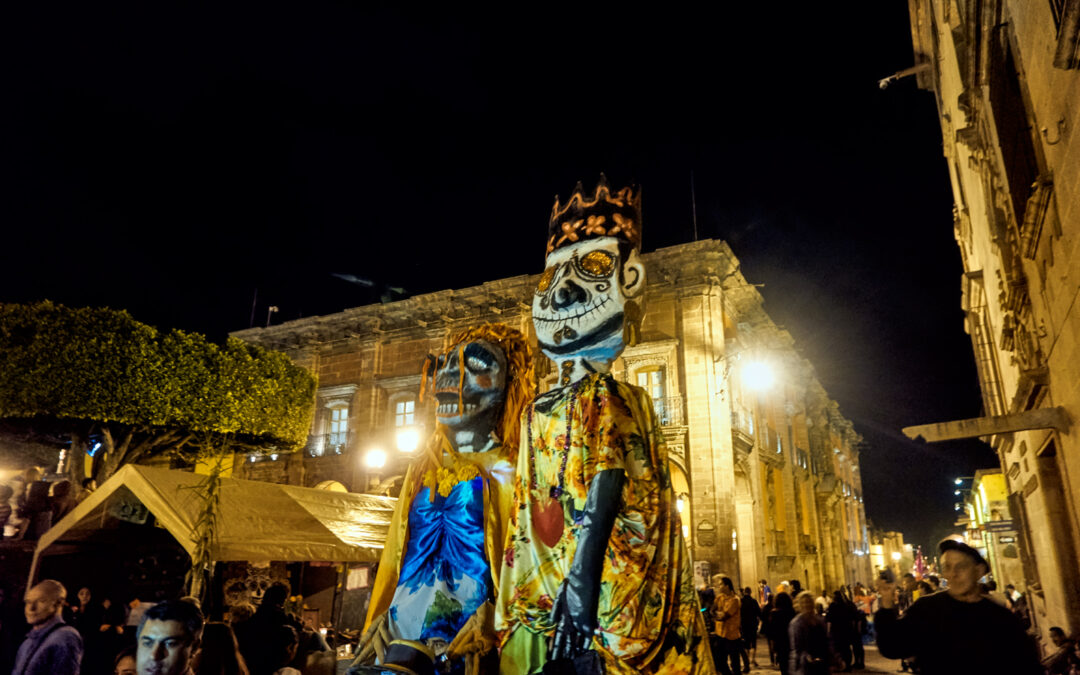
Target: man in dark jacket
[(750, 613), (51, 647), (959, 631)]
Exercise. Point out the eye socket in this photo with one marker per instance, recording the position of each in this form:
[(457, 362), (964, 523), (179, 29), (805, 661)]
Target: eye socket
[(597, 264), (476, 363), (545, 280)]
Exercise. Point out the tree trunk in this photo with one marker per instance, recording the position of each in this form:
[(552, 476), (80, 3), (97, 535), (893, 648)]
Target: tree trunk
[(75, 460)]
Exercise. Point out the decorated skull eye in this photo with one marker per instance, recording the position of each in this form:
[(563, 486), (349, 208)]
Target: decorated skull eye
[(545, 280), (476, 363), (597, 264)]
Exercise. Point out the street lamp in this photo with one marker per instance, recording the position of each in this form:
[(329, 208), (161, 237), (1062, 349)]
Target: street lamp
[(407, 439), (896, 556), (758, 376), (375, 458)]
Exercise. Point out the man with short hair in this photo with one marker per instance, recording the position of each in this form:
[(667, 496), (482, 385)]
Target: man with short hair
[(167, 637), (728, 614), (1057, 662), (958, 631), (51, 647)]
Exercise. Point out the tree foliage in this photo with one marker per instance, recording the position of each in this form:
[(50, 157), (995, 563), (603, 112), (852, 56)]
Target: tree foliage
[(97, 371)]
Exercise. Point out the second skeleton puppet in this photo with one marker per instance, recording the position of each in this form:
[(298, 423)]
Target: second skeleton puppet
[(432, 596)]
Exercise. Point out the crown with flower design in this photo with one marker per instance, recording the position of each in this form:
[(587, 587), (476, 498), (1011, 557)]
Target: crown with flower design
[(604, 214)]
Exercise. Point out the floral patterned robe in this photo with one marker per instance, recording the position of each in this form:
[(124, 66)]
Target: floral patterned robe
[(647, 599)]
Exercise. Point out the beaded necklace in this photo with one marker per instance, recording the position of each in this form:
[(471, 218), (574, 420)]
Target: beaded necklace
[(556, 491)]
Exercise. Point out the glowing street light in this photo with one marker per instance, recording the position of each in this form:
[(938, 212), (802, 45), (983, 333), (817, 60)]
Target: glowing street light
[(896, 556), (375, 458), (758, 376), (407, 439)]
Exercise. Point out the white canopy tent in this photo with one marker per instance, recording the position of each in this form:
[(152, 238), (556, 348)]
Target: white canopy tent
[(256, 521)]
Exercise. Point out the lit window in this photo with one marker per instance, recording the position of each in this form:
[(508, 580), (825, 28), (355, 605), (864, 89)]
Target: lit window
[(652, 381), (339, 428), (404, 413)]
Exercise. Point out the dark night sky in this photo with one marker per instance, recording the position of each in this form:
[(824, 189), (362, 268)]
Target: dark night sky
[(169, 161)]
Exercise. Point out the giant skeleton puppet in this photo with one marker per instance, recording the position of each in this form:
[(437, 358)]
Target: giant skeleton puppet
[(432, 596), (596, 576)]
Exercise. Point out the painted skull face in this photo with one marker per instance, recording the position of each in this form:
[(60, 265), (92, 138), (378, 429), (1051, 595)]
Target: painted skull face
[(470, 387), (579, 301)]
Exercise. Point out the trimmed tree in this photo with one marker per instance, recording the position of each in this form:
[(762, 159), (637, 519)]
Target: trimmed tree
[(99, 374)]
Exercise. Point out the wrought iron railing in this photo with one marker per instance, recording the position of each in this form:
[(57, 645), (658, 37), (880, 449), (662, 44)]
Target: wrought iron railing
[(325, 445), (669, 410)]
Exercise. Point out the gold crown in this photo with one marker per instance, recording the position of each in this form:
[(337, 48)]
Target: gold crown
[(602, 215)]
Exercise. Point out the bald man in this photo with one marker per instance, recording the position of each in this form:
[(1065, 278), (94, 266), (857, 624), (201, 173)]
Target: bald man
[(51, 647)]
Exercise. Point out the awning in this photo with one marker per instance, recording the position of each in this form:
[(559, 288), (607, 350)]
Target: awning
[(256, 520)]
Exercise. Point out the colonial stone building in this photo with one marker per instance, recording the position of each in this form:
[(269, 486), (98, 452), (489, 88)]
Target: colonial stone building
[(1004, 76), (767, 472)]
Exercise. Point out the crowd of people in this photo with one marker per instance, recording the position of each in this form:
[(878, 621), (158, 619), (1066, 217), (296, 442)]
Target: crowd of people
[(930, 626), (165, 638), (804, 634), (30, 505)]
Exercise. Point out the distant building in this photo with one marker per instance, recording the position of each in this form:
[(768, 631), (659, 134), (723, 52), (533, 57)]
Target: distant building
[(989, 527), (767, 477), (888, 551), (1004, 76)]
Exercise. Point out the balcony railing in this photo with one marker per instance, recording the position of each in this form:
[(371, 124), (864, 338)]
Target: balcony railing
[(669, 410), (325, 445)]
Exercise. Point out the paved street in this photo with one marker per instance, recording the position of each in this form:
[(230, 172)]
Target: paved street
[(875, 662)]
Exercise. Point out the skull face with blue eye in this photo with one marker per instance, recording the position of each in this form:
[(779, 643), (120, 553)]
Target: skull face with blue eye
[(578, 307), (470, 388)]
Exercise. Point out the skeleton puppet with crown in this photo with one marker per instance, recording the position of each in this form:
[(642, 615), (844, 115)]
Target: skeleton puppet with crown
[(439, 568), (596, 572)]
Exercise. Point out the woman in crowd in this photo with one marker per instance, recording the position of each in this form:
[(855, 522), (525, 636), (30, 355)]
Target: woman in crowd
[(218, 654), (782, 614)]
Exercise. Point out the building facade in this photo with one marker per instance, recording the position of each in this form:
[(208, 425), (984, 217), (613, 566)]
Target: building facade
[(1004, 77), (990, 528), (765, 467)]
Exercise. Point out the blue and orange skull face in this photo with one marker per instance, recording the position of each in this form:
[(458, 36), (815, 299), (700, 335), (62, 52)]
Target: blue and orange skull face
[(470, 387), (578, 307)]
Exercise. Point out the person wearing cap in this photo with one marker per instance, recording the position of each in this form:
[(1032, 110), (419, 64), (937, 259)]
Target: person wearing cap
[(959, 631)]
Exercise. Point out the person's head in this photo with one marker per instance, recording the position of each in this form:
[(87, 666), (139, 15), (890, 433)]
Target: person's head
[(1057, 635), (908, 581), (588, 301), (283, 640), (727, 586), (44, 601), (838, 596), (124, 663), (218, 652), (60, 489), (804, 603), (83, 595), (746, 591), (763, 583), (991, 585), (934, 581), (962, 567), (796, 586), (276, 595), (783, 601), (32, 474), (1009, 588), (167, 637)]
